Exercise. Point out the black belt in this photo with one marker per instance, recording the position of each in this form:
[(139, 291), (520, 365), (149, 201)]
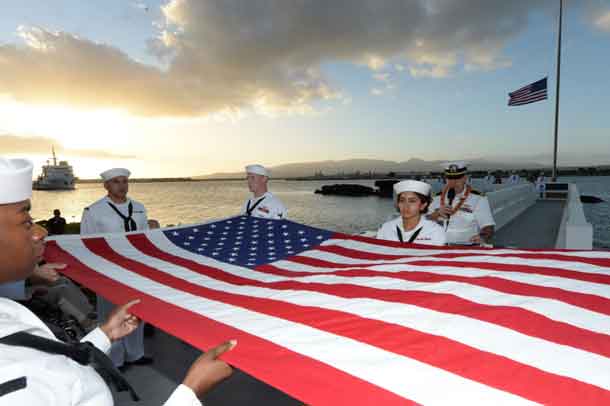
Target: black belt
[(249, 209), (130, 224), (413, 236), (83, 353), (13, 385)]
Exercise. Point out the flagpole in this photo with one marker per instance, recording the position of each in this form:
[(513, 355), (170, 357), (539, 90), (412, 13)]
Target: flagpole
[(554, 178)]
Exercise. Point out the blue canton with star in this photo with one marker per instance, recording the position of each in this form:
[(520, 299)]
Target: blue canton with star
[(248, 241)]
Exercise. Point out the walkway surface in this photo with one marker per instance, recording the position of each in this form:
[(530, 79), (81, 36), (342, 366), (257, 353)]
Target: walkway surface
[(536, 227)]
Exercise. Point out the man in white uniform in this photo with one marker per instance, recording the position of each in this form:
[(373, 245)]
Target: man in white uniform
[(514, 178), (262, 203), (115, 213), (541, 184), (489, 180), (463, 212)]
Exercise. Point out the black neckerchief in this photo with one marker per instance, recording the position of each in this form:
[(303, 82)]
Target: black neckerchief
[(249, 209), (130, 224), (413, 236), (83, 353)]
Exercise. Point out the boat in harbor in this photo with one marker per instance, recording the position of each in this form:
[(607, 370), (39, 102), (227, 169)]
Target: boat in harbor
[(55, 176)]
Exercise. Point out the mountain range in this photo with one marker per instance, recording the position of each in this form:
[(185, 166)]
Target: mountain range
[(376, 166)]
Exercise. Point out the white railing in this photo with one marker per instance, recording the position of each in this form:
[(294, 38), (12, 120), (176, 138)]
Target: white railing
[(509, 202), (574, 231)]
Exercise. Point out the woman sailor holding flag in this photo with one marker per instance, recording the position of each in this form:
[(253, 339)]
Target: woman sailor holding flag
[(412, 201)]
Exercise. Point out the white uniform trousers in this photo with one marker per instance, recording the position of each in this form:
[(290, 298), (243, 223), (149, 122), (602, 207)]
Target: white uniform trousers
[(127, 349)]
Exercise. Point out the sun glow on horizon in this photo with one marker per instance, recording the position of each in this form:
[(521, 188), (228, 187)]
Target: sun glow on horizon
[(73, 128)]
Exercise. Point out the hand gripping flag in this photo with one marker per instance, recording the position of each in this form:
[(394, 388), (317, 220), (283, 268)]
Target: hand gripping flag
[(335, 319), (531, 93)]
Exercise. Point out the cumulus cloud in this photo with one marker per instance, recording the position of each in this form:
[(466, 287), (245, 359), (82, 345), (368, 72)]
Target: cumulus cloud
[(13, 144), (227, 55)]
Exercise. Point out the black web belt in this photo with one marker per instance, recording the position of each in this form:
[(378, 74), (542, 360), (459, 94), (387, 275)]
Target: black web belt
[(83, 353)]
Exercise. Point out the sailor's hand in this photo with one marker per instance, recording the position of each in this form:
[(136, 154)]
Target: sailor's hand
[(444, 212), (120, 322), (435, 216), (208, 370), (476, 239), (46, 274)]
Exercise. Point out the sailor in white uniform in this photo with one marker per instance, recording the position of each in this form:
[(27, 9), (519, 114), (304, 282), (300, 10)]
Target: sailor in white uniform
[(412, 199), (541, 184), (463, 212), (514, 178), (35, 367), (263, 203), (114, 213), (490, 178), (489, 181)]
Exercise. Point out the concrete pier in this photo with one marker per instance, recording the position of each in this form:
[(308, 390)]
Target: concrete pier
[(535, 228)]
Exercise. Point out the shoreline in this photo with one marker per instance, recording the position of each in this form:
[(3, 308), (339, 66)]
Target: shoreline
[(474, 174)]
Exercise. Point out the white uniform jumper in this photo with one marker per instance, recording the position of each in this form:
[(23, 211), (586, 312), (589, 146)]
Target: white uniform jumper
[(267, 206), (472, 215), (429, 232), (100, 217), (52, 379)]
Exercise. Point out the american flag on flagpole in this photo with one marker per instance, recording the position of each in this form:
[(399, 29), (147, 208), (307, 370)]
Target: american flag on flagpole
[(531, 93), (336, 319)]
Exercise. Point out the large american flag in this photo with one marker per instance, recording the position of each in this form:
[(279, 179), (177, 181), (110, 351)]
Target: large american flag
[(531, 93), (335, 319)]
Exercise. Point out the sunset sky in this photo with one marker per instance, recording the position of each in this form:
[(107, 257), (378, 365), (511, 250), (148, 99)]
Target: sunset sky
[(191, 87)]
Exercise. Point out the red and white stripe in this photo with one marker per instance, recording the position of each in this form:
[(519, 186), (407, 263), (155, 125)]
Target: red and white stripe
[(363, 321)]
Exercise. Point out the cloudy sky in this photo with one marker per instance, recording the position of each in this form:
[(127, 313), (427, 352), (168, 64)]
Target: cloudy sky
[(189, 87)]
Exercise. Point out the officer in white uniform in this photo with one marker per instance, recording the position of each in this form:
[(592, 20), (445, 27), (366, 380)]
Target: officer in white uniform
[(114, 213), (412, 199), (463, 211), (31, 376), (263, 203)]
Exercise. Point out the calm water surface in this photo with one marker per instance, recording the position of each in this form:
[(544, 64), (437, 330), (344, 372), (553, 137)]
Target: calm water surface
[(192, 202)]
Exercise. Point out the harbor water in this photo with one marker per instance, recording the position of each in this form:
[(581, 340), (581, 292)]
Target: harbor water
[(194, 202)]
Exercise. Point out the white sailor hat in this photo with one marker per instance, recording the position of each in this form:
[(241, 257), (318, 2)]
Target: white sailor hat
[(113, 173), (257, 170), (412, 186), (16, 180), (455, 169)]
